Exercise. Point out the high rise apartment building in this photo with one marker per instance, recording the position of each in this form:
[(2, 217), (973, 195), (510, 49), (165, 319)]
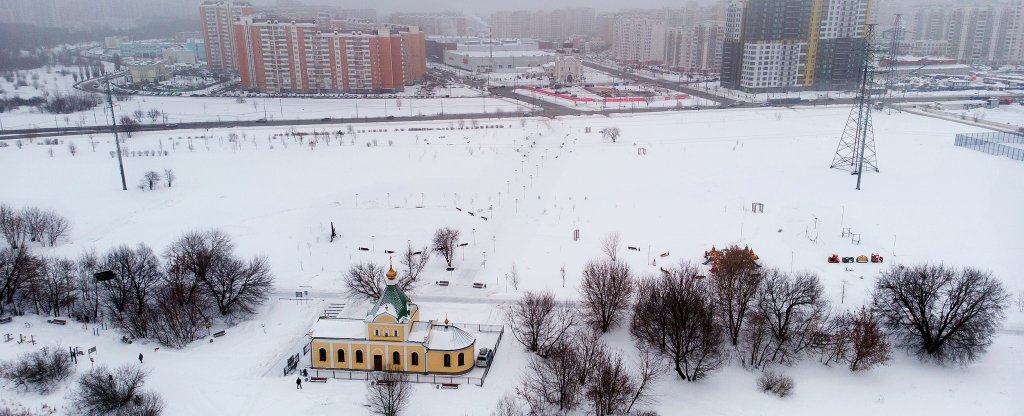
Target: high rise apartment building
[(697, 48), (774, 45), (301, 57), (639, 38), (433, 24), (217, 20)]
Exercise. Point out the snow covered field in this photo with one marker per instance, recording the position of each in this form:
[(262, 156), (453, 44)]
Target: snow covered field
[(597, 103), (536, 183)]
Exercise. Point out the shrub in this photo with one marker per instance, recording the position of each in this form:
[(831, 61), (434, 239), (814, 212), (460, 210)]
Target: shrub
[(40, 370), (778, 384)]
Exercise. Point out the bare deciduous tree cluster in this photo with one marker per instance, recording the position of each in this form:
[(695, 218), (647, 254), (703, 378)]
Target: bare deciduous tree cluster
[(389, 394), (538, 322), (606, 291), (366, 279), (40, 370), (31, 224), (445, 241), (171, 300)]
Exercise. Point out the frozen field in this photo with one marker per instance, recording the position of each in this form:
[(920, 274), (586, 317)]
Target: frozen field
[(537, 183)]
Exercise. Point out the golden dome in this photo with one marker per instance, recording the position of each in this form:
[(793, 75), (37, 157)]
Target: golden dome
[(391, 273)]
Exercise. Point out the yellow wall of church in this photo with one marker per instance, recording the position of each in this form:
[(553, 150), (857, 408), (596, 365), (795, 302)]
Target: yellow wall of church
[(395, 332), (369, 351), (435, 361)]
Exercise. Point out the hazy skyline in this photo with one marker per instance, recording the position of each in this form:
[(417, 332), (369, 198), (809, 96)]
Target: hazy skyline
[(477, 6)]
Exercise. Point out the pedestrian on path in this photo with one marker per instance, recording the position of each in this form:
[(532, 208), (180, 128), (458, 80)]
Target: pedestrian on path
[(140, 358), (298, 383)]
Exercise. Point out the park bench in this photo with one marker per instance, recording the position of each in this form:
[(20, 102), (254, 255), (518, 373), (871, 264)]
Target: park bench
[(57, 321), (449, 386), (442, 283), (6, 320), (318, 379), (479, 285), (219, 334)]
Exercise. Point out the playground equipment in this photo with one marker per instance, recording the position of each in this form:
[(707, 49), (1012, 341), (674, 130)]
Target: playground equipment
[(848, 260), (875, 258), (757, 207), (862, 259), (833, 258)]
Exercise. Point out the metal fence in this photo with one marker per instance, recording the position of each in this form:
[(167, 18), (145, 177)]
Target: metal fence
[(992, 143)]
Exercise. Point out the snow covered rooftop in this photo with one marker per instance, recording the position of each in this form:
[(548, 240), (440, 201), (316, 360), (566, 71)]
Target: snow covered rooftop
[(419, 331), (339, 329), (449, 338)]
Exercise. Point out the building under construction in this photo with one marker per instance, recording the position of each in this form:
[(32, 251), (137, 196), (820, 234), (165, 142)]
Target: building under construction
[(790, 45)]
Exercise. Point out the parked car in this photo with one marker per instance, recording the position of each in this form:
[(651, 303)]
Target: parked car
[(483, 358)]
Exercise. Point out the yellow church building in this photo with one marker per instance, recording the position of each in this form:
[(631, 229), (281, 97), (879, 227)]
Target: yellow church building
[(392, 338)]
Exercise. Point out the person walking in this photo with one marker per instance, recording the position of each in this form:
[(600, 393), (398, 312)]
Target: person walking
[(140, 358), (298, 383)]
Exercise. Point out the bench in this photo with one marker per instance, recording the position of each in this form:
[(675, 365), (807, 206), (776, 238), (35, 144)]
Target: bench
[(442, 283), (57, 321), (479, 285), (318, 379), (219, 334), (449, 386), (6, 320), (363, 249)]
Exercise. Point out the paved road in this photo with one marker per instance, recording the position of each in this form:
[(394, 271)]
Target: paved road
[(676, 86)]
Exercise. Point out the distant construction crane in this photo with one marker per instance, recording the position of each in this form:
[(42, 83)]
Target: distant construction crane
[(856, 150)]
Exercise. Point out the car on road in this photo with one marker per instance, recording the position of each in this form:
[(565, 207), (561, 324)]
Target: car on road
[(484, 357), (325, 119), (171, 125), (262, 120)]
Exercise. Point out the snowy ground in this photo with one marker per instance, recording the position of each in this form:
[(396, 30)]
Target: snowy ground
[(536, 184), (660, 101), (1007, 114)]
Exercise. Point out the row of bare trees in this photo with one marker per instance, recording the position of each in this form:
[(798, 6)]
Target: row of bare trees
[(32, 224), (171, 300), (764, 317)]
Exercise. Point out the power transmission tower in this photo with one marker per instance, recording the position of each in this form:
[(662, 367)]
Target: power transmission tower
[(856, 150), (891, 76)]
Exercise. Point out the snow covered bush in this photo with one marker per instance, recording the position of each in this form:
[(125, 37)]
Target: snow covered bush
[(102, 391), (674, 318), (789, 314), (40, 370), (856, 339), (775, 383), (939, 312)]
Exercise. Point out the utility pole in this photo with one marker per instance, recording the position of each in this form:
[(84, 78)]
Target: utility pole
[(117, 141)]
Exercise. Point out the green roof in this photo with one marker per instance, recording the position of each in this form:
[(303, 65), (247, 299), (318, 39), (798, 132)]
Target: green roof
[(394, 297)]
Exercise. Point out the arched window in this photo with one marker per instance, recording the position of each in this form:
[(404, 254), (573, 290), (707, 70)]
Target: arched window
[(415, 359), (462, 359), (323, 354), (396, 358), (376, 332), (341, 355), (359, 356), (447, 360)]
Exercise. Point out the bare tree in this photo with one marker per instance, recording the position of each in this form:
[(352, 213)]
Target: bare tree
[(40, 370), (869, 346), (674, 317), (89, 295), (508, 405), (538, 322), (130, 294), (58, 283), (606, 290), (128, 125), (34, 220), (445, 241), (550, 384), (102, 391), (137, 115), (389, 394), (55, 227), (193, 255), (611, 133), (513, 277), (72, 148), (12, 226), (790, 313), (413, 262), (776, 383), (169, 177), (939, 312), (610, 246), (180, 315), (735, 281), (18, 268), (152, 178), (153, 114), (365, 279), (238, 287), (615, 390)]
